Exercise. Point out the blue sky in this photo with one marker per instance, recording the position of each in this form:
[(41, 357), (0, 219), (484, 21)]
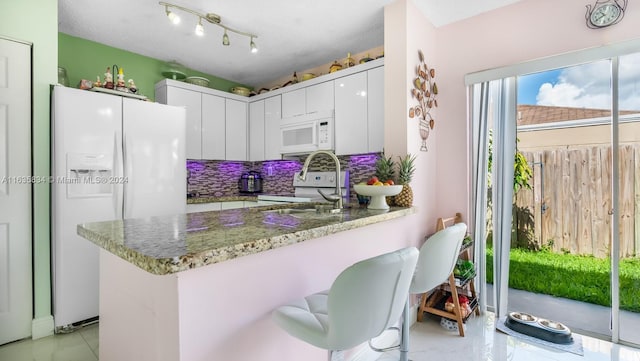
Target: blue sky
[(583, 86), (529, 85)]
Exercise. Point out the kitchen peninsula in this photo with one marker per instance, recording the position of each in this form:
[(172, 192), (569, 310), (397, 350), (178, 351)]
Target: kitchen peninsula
[(201, 286)]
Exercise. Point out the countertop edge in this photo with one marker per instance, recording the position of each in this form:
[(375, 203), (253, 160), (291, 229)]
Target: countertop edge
[(165, 266)]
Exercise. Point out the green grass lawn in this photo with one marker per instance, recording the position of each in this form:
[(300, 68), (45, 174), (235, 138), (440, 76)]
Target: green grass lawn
[(582, 278)]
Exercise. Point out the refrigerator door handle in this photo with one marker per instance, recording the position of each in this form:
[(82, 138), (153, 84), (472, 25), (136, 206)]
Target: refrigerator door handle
[(127, 203), (118, 164)]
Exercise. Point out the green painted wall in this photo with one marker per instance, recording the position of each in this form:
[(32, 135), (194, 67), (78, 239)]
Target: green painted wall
[(85, 59), (36, 21)]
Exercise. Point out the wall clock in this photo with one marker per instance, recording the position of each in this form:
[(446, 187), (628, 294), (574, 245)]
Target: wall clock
[(605, 13)]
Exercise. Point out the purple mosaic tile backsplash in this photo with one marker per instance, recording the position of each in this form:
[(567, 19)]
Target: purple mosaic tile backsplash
[(214, 178)]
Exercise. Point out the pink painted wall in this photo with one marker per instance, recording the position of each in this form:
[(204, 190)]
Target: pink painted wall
[(406, 31), (225, 308), (524, 31)]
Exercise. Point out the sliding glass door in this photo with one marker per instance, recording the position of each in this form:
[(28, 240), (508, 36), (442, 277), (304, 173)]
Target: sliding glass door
[(571, 251), (628, 96), (561, 240)]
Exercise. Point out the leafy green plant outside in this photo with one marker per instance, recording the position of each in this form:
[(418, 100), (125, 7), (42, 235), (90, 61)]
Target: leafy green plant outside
[(581, 278)]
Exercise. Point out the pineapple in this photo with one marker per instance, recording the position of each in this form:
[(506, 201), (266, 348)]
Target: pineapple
[(385, 171), (405, 173)]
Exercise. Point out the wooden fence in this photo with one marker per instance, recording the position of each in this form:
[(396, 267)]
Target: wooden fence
[(569, 202)]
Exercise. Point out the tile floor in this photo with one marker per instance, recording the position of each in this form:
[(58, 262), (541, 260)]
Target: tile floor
[(81, 345), (429, 341)]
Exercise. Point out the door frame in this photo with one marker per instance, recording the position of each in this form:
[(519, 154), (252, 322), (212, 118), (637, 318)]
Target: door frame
[(611, 52)]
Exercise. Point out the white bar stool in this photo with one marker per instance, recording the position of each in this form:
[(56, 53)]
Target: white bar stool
[(438, 256), (365, 300)]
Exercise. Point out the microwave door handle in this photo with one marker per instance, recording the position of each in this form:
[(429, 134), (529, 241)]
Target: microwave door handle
[(316, 134)]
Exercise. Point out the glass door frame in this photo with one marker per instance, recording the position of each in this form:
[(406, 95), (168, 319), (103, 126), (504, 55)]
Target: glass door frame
[(611, 52)]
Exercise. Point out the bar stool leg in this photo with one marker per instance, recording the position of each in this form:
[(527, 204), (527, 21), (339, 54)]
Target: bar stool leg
[(404, 336), (335, 355)]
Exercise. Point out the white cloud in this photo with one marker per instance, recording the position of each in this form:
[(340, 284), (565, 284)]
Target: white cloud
[(589, 86)]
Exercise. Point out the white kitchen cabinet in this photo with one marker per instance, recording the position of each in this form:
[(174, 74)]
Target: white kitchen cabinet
[(232, 205), (294, 103), (191, 100), (375, 109), (236, 130), (359, 112), (351, 114), (203, 207), (219, 206), (272, 116), (213, 127), (257, 135), (217, 122), (308, 100), (320, 97)]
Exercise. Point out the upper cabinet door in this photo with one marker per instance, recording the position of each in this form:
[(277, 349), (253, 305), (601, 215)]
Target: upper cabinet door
[(213, 127), (256, 131), (294, 103), (193, 103), (236, 130), (375, 109), (272, 116), (319, 97), (351, 114)]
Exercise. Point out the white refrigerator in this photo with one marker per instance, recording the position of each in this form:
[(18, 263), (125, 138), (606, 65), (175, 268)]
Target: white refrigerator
[(112, 158)]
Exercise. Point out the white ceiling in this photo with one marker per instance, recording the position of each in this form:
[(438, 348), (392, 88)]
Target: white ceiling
[(293, 35)]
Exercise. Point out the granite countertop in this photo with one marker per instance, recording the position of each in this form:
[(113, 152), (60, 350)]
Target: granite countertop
[(171, 244), (228, 198)]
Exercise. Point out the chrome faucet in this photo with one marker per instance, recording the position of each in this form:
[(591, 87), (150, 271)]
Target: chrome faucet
[(336, 198)]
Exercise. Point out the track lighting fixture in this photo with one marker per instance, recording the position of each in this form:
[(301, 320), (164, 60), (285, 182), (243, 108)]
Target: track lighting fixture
[(212, 19), (252, 45)]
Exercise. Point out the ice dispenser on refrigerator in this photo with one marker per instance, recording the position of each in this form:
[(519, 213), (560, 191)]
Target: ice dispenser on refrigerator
[(89, 175)]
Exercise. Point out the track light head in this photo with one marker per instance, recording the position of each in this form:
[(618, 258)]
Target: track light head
[(225, 38), (175, 19), (199, 28)]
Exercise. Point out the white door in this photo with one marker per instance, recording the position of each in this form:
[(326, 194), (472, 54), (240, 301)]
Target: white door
[(272, 116), (193, 102), (256, 131), (294, 103), (236, 130), (351, 114), (15, 191), (86, 129), (375, 109), (320, 97), (213, 127)]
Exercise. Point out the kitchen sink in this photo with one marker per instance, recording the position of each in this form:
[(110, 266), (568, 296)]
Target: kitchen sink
[(316, 211)]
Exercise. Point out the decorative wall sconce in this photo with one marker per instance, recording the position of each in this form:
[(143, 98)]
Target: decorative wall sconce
[(211, 18), (424, 90)]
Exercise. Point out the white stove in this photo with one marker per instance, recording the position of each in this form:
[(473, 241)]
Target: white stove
[(307, 190)]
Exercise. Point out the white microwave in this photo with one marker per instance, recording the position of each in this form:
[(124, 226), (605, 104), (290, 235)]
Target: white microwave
[(307, 133)]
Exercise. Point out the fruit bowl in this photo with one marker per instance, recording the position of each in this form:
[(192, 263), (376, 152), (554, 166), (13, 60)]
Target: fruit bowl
[(377, 194)]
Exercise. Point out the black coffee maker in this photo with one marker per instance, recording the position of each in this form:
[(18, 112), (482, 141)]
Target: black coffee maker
[(250, 182)]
